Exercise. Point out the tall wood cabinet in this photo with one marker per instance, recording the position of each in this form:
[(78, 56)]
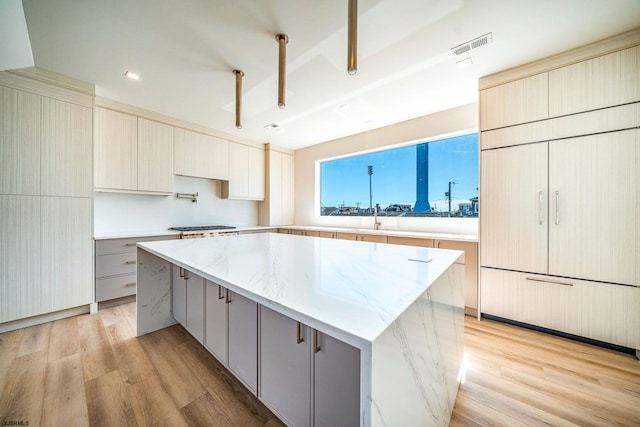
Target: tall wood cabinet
[(278, 206), (246, 173), (46, 149), (560, 178)]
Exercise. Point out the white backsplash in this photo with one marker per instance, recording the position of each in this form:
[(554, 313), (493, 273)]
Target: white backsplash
[(121, 212)]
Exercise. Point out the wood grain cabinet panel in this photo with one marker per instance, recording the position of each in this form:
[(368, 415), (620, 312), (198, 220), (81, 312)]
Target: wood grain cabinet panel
[(278, 207), (375, 238), (200, 155), (19, 142), (470, 250), (66, 149), (67, 252), (514, 194), (593, 189), (116, 152), (600, 82), (20, 294), (246, 173), (410, 241), (155, 156), (328, 234), (599, 311), (513, 103)]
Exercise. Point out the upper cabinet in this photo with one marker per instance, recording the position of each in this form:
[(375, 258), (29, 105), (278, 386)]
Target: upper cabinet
[(19, 142), (512, 103), (132, 153), (155, 156), (66, 149), (246, 173), (601, 82), (200, 155), (116, 150)]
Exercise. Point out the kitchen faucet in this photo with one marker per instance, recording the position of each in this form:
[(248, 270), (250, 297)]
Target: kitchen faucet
[(376, 224)]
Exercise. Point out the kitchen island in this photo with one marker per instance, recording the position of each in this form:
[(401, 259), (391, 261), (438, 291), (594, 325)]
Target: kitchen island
[(376, 329)]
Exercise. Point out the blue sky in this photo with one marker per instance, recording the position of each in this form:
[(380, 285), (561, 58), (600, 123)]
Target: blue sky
[(394, 174)]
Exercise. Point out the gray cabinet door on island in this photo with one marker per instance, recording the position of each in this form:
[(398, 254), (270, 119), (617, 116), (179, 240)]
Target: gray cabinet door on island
[(243, 339), (216, 322), (179, 295), (285, 366), (307, 377)]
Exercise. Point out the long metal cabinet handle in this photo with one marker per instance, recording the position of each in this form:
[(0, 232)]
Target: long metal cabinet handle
[(557, 202), (540, 219), (130, 262), (181, 272), (220, 294), (130, 244), (299, 338), (535, 279), (128, 285), (228, 300), (186, 274), (316, 348)]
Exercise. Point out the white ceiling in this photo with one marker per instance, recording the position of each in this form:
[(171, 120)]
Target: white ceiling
[(185, 51)]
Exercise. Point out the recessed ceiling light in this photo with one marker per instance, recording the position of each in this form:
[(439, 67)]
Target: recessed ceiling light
[(132, 76), (467, 62)]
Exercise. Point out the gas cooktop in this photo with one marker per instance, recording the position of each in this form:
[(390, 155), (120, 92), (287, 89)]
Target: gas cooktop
[(203, 228)]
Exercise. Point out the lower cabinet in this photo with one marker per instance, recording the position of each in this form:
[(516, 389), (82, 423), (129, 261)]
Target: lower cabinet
[(285, 353), (243, 339), (599, 311), (306, 377), (375, 238), (179, 295), (216, 321), (470, 271), (322, 386), (195, 305)]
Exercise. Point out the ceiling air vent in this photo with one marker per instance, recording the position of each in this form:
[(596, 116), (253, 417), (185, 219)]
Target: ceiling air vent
[(271, 126), (472, 44)]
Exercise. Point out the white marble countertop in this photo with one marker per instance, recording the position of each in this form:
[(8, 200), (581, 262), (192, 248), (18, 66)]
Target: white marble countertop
[(350, 290), (387, 232)]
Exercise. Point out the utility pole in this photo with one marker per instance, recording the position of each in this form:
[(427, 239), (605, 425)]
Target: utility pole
[(370, 172), (449, 193)]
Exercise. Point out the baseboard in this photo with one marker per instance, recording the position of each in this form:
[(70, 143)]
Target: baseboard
[(43, 318), (117, 301), (585, 340)]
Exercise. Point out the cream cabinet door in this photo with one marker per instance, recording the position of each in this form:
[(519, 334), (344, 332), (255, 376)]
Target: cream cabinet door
[(20, 294), (200, 155), (521, 101), (116, 150), (19, 142), (593, 186), (238, 186), (513, 219), (155, 156), (67, 252), (66, 149), (608, 80), (287, 205), (256, 174)]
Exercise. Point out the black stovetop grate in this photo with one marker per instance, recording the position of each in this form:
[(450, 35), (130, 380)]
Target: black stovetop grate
[(203, 228)]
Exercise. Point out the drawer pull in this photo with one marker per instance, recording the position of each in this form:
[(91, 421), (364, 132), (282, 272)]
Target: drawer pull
[(535, 279), (128, 285), (299, 339), (130, 262), (228, 299), (130, 244), (220, 294), (316, 348)]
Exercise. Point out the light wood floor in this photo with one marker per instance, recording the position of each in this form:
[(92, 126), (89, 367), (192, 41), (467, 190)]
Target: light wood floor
[(92, 370)]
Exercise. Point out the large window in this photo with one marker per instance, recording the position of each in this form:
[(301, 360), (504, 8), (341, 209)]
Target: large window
[(436, 179)]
